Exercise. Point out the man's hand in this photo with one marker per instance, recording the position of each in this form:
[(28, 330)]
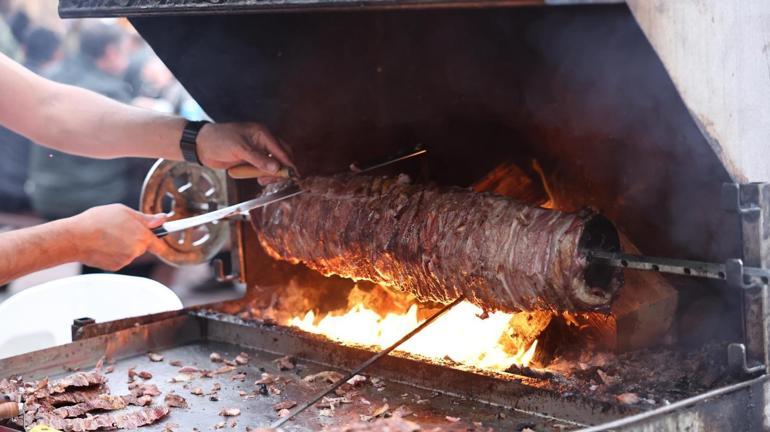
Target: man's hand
[(110, 237), (224, 145)]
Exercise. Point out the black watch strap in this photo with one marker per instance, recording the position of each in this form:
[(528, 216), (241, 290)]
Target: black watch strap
[(188, 143)]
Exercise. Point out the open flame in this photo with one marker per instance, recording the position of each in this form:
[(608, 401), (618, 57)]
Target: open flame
[(459, 335)]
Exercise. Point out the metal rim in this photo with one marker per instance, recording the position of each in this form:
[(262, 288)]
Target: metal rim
[(182, 190)]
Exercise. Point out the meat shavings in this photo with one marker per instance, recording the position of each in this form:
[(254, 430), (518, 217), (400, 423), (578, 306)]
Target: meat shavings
[(197, 391), (176, 363), (174, 400), (78, 379), (223, 370), (181, 378), (215, 357), (285, 363), (230, 412), (145, 390), (74, 397), (155, 357), (102, 402), (438, 243), (328, 376), (242, 359), (332, 402), (284, 405), (138, 400), (266, 378)]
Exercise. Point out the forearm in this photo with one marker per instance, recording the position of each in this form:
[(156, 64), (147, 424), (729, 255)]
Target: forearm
[(31, 249), (81, 122), (89, 124)]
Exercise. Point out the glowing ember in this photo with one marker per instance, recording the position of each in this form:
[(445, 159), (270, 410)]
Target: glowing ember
[(459, 335)]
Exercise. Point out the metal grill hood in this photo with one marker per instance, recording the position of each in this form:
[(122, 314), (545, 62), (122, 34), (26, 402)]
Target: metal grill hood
[(579, 89)]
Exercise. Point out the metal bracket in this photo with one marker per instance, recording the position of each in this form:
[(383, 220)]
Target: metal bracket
[(737, 358), (79, 323), (219, 272), (731, 200), (751, 202), (737, 361)]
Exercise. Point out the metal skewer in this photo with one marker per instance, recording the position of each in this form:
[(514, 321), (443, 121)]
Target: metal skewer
[(672, 266), (364, 365)]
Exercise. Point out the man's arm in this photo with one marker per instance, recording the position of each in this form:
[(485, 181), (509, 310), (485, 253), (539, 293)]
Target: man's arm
[(108, 237), (81, 122)]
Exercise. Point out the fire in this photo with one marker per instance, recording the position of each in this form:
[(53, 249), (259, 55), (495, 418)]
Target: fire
[(550, 204), (459, 335)]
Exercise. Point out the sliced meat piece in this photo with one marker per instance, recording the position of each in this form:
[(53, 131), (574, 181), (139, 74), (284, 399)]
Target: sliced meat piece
[(126, 420), (76, 396), (78, 379), (174, 400)]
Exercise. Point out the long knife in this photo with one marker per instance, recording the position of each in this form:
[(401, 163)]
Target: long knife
[(242, 208), (226, 212)]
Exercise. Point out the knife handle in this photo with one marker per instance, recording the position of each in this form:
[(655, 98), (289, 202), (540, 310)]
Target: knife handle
[(160, 232), (249, 172), (9, 410)]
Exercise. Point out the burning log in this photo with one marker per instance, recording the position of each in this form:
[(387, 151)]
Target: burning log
[(440, 243)]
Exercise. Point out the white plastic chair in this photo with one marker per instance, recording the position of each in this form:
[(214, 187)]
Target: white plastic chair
[(40, 317)]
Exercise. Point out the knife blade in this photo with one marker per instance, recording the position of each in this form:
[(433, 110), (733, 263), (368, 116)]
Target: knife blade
[(226, 212)]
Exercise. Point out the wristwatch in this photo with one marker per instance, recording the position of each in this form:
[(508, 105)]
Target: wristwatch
[(189, 141)]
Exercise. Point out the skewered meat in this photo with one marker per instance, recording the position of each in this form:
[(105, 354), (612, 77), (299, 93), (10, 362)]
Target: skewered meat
[(440, 243)]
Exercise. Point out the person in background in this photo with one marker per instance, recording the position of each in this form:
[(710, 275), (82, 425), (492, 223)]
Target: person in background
[(9, 45), (19, 23), (62, 185), (42, 48)]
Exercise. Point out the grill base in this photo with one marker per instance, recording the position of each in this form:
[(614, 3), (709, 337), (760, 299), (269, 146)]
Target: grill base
[(472, 396)]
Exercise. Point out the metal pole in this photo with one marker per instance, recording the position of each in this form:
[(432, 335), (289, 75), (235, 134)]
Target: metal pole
[(364, 365)]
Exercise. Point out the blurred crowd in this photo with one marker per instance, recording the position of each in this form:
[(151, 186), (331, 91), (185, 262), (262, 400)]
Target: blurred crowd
[(105, 56)]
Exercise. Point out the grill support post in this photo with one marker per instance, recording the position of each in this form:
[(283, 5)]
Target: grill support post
[(752, 204)]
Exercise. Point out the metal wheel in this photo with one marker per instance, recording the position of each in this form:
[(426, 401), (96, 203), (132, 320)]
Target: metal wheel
[(182, 190)]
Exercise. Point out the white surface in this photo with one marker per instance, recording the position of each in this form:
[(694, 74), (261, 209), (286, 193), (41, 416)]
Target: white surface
[(717, 52), (43, 276), (40, 317)]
